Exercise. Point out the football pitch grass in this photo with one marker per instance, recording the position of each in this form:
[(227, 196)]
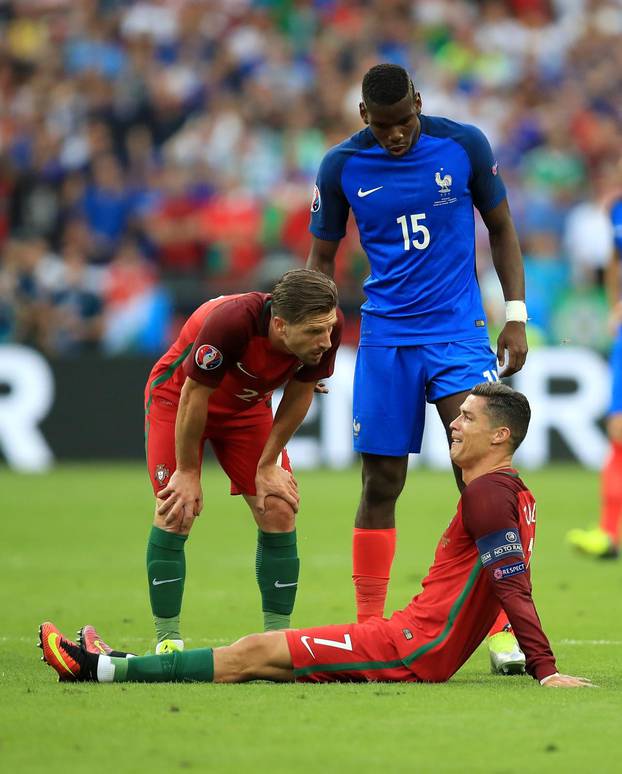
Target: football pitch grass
[(73, 552)]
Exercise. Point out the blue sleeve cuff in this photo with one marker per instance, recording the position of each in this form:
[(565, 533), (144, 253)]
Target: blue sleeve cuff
[(329, 236)]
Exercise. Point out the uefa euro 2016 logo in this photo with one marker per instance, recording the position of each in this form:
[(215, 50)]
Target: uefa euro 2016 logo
[(208, 357), (316, 202)]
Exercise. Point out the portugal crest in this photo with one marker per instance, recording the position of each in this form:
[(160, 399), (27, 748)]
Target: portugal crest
[(161, 473)]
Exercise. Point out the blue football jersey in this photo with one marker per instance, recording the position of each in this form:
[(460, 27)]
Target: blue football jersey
[(616, 221), (416, 223)]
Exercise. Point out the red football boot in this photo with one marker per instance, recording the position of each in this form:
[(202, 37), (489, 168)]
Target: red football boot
[(64, 656)]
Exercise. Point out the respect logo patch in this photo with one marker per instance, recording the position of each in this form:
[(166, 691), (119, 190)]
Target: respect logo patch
[(499, 573)]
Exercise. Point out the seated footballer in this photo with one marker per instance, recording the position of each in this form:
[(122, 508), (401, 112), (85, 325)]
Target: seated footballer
[(481, 564)]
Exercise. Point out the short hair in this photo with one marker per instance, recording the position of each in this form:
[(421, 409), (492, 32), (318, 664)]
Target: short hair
[(385, 84), (506, 407), (303, 293)]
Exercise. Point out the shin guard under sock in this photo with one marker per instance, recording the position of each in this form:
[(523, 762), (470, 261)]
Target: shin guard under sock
[(277, 567), (190, 666), (166, 573)]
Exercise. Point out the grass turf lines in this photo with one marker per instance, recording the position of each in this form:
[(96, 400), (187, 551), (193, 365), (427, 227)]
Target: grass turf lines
[(73, 551)]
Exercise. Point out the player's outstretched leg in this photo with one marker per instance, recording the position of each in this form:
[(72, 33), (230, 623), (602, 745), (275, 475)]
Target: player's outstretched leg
[(263, 656), (75, 664), (258, 656)]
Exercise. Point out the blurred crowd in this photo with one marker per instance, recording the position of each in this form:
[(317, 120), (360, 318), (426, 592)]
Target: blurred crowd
[(156, 154)]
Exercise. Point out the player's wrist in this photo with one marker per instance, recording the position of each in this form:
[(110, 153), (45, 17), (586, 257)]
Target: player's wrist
[(188, 470), (515, 311), (267, 463), (545, 680)]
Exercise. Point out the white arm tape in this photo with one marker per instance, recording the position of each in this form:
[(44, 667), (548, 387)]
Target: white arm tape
[(515, 311)]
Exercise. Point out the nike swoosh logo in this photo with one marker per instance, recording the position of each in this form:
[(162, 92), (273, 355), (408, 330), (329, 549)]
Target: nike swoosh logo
[(54, 648), (97, 644), (279, 585), (244, 371), (155, 582), (304, 639), (362, 194)]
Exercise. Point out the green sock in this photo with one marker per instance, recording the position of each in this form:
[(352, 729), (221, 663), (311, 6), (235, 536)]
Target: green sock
[(189, 666), (166, 572), (120, 669), (277, 566)]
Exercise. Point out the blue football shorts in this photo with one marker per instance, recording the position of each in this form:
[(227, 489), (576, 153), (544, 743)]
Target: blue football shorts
[(616, 375), (393, 384)]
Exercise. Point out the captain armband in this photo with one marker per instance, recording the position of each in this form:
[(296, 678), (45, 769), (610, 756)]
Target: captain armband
[(498, 545)]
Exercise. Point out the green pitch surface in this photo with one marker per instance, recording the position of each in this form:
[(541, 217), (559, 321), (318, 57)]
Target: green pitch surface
[(73, 545)]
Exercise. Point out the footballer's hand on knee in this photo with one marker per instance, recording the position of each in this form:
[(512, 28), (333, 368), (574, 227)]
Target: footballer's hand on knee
[(181, 517), (567, 681), (183, 492), (275, 480), (320, 388), (178, 521), (187, 520)]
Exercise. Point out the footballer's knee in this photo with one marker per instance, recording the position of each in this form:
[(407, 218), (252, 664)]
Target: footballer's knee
[(178, 527), (383, 479), (614, 427), (277, 516), (245, 657), (254, 657)]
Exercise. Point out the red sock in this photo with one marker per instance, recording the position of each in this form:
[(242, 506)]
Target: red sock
[(611, 487), (501, 624), (372, 556)]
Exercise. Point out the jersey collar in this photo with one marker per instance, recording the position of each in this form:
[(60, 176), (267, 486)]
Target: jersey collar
[(265, 316), (512, 472)]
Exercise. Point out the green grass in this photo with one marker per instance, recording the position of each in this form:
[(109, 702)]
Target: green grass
[(73, 546)]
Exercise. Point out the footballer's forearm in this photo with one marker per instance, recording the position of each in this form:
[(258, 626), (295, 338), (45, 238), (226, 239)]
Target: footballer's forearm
[(289, 416), (514, 594), (506, 253), (508, 262), (190, 425), (322, 256)]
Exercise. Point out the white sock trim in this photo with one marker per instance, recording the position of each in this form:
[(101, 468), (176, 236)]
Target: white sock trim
[(105, 669)]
